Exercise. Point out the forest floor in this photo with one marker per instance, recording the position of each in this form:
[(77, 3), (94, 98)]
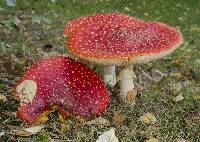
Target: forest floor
[(169, 89)]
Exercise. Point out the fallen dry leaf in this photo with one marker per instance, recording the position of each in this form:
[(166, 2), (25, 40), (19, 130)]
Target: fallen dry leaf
[(108, 136), (34, 129), (22, 133), (197, 97), (179, 63), (2, 133), (118, 117), (178, 98), (29, 131), (152, 140), (99, 121), (2, 98), (176, 75), (148, 118)]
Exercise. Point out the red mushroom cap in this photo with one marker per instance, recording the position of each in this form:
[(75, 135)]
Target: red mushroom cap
[(62, 82), (121, 39), (108, 20)]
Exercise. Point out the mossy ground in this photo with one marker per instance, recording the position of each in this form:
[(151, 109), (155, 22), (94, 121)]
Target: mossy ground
[(27, 30)]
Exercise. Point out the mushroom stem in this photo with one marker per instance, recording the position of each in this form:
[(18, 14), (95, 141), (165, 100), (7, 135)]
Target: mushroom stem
[(128, 91), (109, 75)]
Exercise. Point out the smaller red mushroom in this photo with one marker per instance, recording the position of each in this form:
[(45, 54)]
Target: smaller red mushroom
[(63, 84)]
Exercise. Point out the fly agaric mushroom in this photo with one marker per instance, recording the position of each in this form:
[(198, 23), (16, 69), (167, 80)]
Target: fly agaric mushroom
[(63, 84), (118, 39), (104, 23)]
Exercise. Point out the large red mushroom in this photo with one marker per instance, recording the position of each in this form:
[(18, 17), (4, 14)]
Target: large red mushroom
[(63, 84), (118, 39), (104, 24)]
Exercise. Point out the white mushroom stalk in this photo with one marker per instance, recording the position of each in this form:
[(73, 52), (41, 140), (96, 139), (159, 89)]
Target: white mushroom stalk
[(109, 75), (128, 91)]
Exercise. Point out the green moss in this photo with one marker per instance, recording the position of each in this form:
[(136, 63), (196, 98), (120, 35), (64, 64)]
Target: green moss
[(42, 138)]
